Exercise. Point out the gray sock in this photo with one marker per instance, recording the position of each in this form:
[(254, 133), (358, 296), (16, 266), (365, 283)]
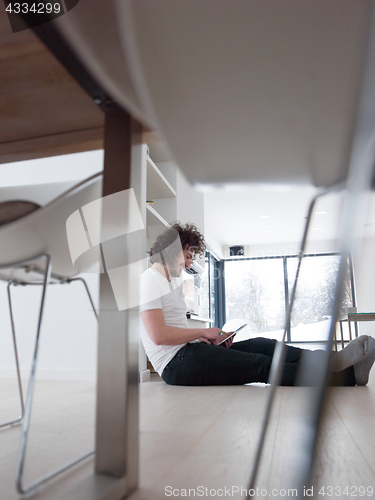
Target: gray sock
[(354, 352), (362, 368)]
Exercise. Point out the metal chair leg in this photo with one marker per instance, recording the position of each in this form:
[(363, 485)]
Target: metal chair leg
[(88, 293), (280, 351), (19, 419), (26, 409), (26, 424), (30, 391), (360, 176)]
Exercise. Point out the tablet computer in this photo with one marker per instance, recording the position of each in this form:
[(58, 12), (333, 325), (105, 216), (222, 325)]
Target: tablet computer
[(233, 333)]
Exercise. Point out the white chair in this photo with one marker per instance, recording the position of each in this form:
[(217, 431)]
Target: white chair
[(34, 250)]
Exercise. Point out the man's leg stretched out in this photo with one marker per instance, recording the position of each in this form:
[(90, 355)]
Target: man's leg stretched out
[(250, 361)]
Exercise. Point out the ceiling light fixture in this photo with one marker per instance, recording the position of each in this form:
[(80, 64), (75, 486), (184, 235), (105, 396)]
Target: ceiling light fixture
[(321, 212), (317, 228), (266, 216)]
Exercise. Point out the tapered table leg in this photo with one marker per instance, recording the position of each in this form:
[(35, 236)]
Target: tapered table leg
[(117, 402)]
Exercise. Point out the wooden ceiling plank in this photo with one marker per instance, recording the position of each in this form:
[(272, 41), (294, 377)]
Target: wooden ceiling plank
[(43, 109), (53, 145)]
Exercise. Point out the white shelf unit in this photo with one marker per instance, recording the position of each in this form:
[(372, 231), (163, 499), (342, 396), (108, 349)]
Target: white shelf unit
[(154, 218), (158, 188), (157, 184), (173, 200), (155, 225)]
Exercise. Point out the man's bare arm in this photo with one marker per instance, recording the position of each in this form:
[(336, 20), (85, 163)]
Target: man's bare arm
[(161, 334)]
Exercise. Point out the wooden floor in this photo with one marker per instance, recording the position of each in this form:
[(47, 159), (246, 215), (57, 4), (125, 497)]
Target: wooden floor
[(197, 438)]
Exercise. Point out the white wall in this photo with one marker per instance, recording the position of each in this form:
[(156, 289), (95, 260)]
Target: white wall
[(190, 205), (212, 241), (68, 341), (63, 168), (291, 248)]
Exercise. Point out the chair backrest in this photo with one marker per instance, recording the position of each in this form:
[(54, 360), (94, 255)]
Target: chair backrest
[(44, 232)]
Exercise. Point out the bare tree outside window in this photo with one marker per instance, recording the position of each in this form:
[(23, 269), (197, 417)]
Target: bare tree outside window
[(255, 293), (316, 289)]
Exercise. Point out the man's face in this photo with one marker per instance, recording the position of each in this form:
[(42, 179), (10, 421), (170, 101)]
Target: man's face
[(183, 261)]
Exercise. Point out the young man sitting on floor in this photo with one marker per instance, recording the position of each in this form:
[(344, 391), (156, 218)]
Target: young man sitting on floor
[(191, 356)]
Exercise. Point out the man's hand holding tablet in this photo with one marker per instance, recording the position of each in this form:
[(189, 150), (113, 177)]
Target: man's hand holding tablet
[(229, 335)]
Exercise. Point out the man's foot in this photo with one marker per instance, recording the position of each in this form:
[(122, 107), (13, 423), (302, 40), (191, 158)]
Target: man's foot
[(354, 352), (362, 368)]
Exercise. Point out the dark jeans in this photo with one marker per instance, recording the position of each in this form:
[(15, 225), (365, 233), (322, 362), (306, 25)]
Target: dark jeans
[(243, 363)]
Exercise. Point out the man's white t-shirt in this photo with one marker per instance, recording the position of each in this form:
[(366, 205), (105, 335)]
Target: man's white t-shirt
[(156, 292)]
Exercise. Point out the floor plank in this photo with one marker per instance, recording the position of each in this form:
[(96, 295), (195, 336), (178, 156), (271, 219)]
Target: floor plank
[(193, 437)]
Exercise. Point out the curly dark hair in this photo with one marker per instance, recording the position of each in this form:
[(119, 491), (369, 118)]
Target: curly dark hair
[(189, 237)]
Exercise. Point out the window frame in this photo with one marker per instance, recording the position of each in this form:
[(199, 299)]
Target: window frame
[(215, 287), (220, 302)]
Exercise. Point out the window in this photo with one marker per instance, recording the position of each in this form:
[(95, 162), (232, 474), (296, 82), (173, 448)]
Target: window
[(315, 294), (254, 291), (257, 291)]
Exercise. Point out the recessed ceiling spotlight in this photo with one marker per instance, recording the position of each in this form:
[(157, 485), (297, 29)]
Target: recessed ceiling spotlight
[(317, 228), (368, 224), (321, 212), (266, 216)]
